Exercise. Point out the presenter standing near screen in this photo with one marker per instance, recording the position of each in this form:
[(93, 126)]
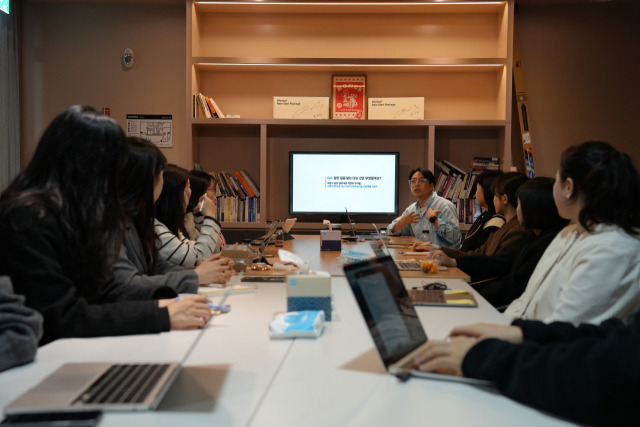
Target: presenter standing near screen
[(431, 213)]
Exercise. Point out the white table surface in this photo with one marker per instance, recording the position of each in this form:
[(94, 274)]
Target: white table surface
[(237, 376)]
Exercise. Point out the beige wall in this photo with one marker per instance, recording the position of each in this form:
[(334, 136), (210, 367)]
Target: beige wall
[(72, 55), (581, 71), (581, 65)]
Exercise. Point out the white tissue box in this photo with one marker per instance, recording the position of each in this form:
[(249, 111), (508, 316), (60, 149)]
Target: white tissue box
[(297, 324), (330, 240), (309, 292)]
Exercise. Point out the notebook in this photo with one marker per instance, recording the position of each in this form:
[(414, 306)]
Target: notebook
[(443, 298), (391, 318), (103, 386)]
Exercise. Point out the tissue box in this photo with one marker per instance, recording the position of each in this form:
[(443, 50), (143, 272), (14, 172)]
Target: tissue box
[(300, 107), (330, 240), (309, 292), (297, 324)]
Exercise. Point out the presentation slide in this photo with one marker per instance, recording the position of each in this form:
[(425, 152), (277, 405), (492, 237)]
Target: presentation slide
[(331, 182)]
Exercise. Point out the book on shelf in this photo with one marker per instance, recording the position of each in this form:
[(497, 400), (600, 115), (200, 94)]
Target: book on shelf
[(244, 184), (486, 163), (235, 202), (247, 176), (217, 109), (202, 102), (211, 109), (205, 106)]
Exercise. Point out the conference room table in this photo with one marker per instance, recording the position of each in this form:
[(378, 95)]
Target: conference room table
[(307, 247), (234, 374)]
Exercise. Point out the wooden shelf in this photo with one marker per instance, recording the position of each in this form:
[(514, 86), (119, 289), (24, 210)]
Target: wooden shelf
[(457, 55)]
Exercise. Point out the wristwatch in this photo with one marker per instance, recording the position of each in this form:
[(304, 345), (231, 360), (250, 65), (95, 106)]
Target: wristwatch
[(433, 219)]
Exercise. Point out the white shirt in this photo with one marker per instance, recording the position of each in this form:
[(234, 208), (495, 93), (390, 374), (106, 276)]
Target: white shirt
[(583, 278)]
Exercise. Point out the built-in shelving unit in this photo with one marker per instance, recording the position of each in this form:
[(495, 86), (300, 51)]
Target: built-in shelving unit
[(457, 55)]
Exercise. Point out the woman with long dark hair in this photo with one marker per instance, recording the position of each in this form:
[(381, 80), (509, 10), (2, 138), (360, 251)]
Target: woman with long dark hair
[(140, 265), (503, 277), (174, 244), (591, 271), (489, 220), (508, 238), (62, 227), (586, 373)]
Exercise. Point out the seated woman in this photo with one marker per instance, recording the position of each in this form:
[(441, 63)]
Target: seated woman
[(505, 276), (20, 328), (174, 245), (488, 221), (589, 374), (508, 238), (61, 226), (202, 184), (591, 270), (139, 266)]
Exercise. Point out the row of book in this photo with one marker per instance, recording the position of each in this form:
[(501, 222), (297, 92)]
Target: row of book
[(204, 106), (468, 210), (455, 184), (237, 196)]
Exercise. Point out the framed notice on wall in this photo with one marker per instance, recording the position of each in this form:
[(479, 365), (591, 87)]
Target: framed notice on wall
[(348, 97), (154, 127)]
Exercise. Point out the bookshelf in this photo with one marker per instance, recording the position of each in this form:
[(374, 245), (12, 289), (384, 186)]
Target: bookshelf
[(456, 55)]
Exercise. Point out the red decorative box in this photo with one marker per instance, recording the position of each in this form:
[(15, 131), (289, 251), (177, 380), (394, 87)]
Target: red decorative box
[(348, 97)]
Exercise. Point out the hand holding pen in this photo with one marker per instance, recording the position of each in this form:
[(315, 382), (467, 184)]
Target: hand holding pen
[(206, 206), (190, 312)]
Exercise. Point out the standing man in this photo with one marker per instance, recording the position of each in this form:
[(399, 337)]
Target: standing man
[(431, 213)]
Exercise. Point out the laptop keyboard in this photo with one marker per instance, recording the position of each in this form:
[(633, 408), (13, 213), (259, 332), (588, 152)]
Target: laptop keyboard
[(427, 296), (125, 383)]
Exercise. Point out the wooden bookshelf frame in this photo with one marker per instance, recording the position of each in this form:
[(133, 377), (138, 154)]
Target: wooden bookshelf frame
[(457, 55)]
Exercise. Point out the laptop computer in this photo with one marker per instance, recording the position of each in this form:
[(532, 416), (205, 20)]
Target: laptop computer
[(391, 318), (353, 235), (103, 386), (267, 236), (403, 265), (265, 242)]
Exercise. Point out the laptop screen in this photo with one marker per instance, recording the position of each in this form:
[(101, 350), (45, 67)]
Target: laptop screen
[(387, 308)]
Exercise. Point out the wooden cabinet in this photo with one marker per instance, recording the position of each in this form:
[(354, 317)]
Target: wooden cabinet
[(456, 56)]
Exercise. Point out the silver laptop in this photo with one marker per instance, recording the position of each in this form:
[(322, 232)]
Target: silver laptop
[(102, 386), (265, 239), (353, 235), (409, 265), (403, 265), (391, 318)]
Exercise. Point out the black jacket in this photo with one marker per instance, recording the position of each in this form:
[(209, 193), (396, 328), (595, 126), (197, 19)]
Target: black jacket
[(510, 270), (33, 255), (589, 374)]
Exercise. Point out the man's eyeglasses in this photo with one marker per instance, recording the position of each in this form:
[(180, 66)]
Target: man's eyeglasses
[(417, 181)]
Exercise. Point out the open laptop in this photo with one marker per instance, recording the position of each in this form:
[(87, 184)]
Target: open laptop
[(391, 318), (265, 241), (403, 265), (103, 386), (267, 236), (353, 235)]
